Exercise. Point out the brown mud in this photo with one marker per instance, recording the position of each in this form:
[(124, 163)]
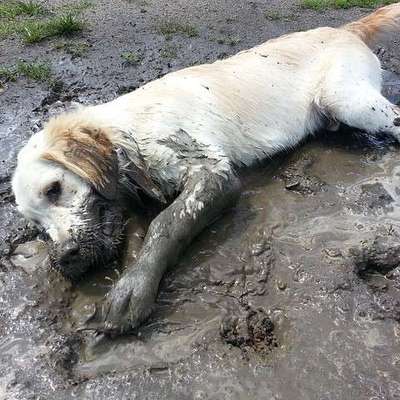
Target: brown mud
[(292, 294)]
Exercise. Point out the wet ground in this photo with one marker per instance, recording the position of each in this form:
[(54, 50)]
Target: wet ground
[(293, 294)]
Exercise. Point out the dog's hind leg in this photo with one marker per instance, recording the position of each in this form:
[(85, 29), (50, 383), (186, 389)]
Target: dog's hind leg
[(351, 94), (203, 199), (365, 108)]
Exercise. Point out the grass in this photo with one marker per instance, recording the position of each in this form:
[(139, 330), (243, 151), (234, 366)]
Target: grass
[(8, 74), (277, 16), (74, 49), (34, 23), (229, 40), (64, 25), (170, 28), (324, 4), (169, 52), (131, 58), (7, 29), (273, 15), (36, 71), (12, 9)]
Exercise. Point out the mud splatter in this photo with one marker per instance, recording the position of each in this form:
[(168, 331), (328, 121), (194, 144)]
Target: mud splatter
[(253, 331), (298, 179)]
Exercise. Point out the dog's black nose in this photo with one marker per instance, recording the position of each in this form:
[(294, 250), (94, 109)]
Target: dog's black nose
[(69, 253)]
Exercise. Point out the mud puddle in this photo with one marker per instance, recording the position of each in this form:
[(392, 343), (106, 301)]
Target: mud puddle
[(293, 294), (275, 299)]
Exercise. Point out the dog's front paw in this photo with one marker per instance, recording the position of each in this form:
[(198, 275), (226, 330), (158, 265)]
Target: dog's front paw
[(125, 307)]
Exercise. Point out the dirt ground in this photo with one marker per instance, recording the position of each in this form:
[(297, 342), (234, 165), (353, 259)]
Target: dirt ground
[(292, 295)]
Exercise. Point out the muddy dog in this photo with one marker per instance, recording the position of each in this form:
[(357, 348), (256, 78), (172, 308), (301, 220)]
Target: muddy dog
[(180, 140)]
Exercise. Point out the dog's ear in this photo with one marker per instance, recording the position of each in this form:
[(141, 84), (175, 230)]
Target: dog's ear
[(86, 151)]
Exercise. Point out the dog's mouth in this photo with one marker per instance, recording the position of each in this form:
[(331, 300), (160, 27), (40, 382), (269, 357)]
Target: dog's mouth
[(92, 245)]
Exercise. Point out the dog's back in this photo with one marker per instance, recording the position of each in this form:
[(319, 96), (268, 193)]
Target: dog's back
[(264, 99)]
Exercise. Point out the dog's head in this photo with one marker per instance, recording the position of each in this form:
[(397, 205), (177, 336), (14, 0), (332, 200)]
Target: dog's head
[(67, 182)]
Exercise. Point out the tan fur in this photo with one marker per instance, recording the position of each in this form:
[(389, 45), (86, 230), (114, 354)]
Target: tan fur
[(84, 149), (376, 26)]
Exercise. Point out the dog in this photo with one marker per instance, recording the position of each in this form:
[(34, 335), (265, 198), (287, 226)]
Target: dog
[(179, 142)]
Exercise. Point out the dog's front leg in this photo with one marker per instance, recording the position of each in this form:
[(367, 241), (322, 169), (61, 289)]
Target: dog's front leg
[(204, 197)]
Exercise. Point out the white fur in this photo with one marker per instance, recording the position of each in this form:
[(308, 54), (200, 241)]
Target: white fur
[(258, 102), (32, 176)]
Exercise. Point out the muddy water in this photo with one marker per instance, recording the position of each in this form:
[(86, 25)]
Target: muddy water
[(284, 249)]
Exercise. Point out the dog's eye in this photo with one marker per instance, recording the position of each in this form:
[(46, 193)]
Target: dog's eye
[(53, 191)]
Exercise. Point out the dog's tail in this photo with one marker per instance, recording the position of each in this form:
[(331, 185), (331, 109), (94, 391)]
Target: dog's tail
[(377, 26)]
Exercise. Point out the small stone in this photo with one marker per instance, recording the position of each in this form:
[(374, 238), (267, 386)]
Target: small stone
[(333, 252), (292, 185), (281, 285)]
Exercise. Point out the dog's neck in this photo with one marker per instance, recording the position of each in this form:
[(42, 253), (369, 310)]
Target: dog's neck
[(135, 181)]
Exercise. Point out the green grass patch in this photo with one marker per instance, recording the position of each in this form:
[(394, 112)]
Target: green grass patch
[(34, 23), (12, 9), (131, 58), (324, 4), (36, 31), (273, 15), (226, 39), (36, 71), (74, 49), (170, 28), (64, 25), (14, 13), (8, 74), (7, 29), (169, 52)]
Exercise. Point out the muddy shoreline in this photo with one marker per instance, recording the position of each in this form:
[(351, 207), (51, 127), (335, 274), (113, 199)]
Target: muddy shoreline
[(292, 294)]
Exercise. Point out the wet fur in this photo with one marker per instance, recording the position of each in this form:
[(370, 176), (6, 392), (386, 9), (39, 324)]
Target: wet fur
[(99, 241)]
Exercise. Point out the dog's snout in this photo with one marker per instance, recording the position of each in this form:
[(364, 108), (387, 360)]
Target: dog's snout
[(69, 253)]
